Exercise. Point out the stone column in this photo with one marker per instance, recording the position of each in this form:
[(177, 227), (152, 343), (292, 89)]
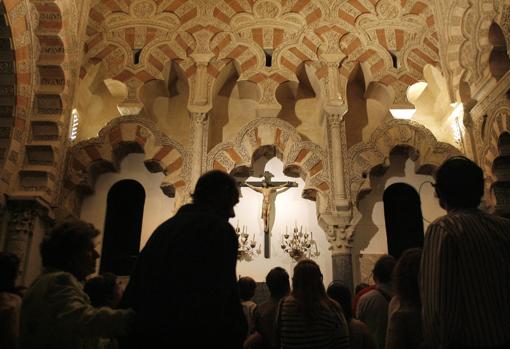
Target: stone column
[(335, 122), (342, 268), (341, 238), (24, 233), (199, 122)]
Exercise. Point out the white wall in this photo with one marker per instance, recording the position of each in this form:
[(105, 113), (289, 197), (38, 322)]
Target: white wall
[(290, 209), (157, 208), (370, 235)]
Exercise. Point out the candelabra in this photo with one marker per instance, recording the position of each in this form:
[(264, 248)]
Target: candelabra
[(247, 247), (298, 244)]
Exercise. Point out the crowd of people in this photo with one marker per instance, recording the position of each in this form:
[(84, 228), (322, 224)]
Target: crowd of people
[(452, 293)]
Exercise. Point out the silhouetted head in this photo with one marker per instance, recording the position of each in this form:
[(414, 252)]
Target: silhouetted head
[(217, 191), (70, 247), (459, 183), (405, 277), (9, 265), (360, 287), (278, 283), (307, 278), (383, 269), (102, 290), (308, 289), (340, 293), (247, 288)]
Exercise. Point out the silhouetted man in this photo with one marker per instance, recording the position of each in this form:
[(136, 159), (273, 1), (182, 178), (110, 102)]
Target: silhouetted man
[(183, 288), (465, 270)]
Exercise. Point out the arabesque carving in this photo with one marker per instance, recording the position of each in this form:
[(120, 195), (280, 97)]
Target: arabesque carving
[(124, 135), (300, 158), (365, 156), (497, 123)]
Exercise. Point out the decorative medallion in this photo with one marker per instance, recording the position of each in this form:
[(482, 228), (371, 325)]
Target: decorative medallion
[(266, 9), (143, 9)]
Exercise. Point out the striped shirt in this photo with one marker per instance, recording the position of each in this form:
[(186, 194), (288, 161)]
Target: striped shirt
[(465, 280), (328, 331)]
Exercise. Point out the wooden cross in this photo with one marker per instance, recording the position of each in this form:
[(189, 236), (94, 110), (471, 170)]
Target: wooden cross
[(267, 189)]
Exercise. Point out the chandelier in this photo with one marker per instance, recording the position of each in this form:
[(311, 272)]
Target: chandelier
[(247, 247), (298, 244)]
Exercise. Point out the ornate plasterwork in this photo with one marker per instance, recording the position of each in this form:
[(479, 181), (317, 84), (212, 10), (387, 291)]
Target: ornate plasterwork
[(21, 219), (300, 158), (124, 135), (17, 101), (365, 156), (466, 43), (498, 122), (240, 30)]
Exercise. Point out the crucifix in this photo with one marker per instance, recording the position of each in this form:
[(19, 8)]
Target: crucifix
[(268, 189)]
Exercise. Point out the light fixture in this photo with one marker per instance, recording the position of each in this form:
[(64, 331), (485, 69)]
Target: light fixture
[(299, 245), (247, 247), (405, 114)]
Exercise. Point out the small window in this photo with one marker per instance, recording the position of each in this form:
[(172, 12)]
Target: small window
[(269, 58), (73, 129), (394, 59), (136, 56)]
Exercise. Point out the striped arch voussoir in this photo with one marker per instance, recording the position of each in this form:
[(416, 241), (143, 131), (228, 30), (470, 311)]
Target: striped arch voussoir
[(362, 158), (123, 136), (269, 136), (498, 123)]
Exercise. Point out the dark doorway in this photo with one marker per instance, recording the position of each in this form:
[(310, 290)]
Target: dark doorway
[(403, 218), (123, 227)]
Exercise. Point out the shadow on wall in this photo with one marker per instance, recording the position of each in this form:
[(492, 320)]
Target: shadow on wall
[(220, 111), (290, 93), (356, 118), (367, 228)]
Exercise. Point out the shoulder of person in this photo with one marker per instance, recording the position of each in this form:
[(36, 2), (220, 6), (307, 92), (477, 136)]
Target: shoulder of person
[(9, 300), (440, 222), (368, 296), (58, 278), (357, 326)]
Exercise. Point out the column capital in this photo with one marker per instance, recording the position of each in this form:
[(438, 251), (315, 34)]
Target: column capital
[(335, 109), (340, 238), (198, 117), (21, 216), (334, 120), (340, 229)]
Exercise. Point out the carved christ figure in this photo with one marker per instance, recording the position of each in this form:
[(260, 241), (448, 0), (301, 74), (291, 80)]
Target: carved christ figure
[(268, 188)]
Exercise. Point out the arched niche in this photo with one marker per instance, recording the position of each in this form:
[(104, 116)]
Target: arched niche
[(289, 209), (371, 238), (499, 61), (119, 138), (122, 227), (374, 153), (403, 218)]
